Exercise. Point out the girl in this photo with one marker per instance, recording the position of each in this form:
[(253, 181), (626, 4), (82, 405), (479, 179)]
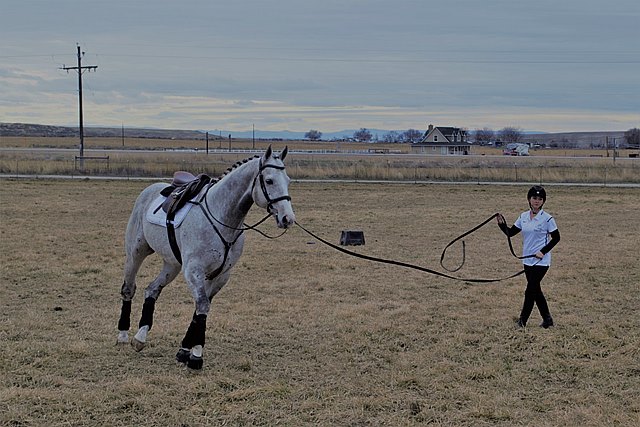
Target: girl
[(536, 226)]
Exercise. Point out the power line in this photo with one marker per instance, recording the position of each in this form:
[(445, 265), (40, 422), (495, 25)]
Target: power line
[(80, 69)]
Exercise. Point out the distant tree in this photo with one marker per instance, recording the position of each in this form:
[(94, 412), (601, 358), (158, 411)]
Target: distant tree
[(392, 137), (484, 136), (510, 134), (411, 136), (313, 135), (632, 138), (362, 135)]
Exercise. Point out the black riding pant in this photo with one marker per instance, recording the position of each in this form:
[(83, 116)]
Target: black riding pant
[(533, 294)]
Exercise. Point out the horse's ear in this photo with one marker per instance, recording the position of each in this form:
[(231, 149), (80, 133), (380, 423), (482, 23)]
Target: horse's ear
[(268, 153), (284, 153)]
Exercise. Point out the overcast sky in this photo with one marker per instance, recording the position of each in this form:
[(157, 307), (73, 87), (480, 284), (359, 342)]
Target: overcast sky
[(329, 65)]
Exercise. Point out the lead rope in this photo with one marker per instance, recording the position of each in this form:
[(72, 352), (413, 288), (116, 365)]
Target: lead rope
[(477, 227), (425, 269)]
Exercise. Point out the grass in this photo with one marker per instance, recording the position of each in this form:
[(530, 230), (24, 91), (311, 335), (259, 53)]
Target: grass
[(303, 335), (574, 166), (104, 143)]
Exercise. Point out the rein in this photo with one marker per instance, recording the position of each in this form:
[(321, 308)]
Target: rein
[(425, 269), (263, 187), (211, 218)]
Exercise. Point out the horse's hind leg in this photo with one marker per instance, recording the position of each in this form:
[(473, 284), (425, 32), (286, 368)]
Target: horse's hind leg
[(151, 294), (132, 265)]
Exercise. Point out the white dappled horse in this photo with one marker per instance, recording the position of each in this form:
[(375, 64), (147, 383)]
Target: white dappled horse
[(210, 241)]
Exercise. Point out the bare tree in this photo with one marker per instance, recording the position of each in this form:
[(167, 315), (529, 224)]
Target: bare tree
[(313, 135), (632, 138), (484, 136), (510, 134), (362, 135), (392, 136), (411, 136)]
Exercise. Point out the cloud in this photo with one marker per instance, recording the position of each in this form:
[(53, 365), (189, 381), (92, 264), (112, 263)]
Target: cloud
[(327, 65)]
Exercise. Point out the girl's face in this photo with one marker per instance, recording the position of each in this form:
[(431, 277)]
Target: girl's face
[(536, 203)]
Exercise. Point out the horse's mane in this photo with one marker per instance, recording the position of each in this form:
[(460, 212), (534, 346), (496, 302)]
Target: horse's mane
[(235, 166)]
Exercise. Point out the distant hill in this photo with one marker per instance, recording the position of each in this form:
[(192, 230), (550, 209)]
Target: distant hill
[(26, 129)]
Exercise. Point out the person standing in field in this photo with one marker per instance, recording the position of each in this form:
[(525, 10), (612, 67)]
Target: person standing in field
[(539, 235)]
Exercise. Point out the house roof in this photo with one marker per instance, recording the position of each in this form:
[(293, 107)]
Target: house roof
[(448, 132)]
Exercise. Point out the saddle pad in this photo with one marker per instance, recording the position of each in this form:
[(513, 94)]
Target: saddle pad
[(155, 214)]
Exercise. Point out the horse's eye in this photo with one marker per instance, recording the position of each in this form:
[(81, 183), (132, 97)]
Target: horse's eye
[(269, 181)]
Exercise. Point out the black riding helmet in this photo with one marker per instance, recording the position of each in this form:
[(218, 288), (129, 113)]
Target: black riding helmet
[(537, 190)]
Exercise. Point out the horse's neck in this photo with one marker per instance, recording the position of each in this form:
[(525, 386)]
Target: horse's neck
[(230, 199)]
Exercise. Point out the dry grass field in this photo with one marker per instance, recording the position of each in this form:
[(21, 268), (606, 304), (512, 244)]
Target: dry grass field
[(44, 156), (104, 143), (303, 335)]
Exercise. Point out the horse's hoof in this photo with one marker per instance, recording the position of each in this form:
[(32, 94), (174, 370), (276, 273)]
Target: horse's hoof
[(123, 338), (182, 357), (195, 362), (137, 345)]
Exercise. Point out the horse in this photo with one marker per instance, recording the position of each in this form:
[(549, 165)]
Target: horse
[(207, 243)]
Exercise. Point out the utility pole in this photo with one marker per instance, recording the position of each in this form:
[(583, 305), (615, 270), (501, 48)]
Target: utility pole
[(80, 69)]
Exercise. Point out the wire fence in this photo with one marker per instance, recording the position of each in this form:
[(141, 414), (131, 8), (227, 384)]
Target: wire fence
[(602, 171)]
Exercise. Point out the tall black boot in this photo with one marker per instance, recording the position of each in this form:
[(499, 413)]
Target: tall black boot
[(527, 307), (547, 322), (543, 307)]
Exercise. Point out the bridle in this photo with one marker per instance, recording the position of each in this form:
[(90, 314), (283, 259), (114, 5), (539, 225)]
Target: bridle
[(212, 219), (260, 177)]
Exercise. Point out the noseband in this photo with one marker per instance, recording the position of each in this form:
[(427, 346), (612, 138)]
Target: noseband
[(263, 187)]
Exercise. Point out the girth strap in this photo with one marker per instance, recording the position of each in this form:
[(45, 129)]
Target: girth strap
[(171, 234), (176, 200)]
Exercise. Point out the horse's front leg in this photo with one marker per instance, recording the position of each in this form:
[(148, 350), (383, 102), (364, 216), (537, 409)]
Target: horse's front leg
[(192, 346), (151, 294)]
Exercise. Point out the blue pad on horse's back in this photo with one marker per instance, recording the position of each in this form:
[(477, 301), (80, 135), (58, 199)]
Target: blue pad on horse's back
[(155, 214)]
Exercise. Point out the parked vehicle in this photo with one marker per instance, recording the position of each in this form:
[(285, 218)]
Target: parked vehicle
[(516, 149)]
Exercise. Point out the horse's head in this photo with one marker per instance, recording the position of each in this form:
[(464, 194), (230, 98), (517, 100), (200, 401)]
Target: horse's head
[(271, 188)]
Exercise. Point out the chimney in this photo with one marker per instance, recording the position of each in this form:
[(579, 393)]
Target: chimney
[(430, 128)]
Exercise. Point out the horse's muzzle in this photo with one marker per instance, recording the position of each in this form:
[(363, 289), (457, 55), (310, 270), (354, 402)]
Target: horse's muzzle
[(286, 221), (283, 219)]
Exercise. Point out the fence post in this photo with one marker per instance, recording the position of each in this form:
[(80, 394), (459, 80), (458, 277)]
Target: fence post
[(541, 174)]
